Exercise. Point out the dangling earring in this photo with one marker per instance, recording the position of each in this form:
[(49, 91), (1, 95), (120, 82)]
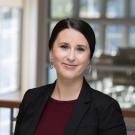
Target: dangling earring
[(51, 64), (89, 69)]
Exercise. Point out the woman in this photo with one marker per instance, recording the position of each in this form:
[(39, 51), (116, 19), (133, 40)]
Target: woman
[(69, 106)]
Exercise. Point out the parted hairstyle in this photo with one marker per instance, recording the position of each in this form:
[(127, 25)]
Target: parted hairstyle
[(78, 25)]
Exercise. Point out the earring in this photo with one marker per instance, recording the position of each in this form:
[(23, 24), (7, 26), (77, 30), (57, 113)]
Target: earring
[(90, 69), (51, 65)]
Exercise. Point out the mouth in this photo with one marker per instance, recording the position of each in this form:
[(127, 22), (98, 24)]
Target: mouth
[(69, 66)]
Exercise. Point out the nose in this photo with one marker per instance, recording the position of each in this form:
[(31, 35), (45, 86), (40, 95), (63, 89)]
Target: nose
[(71, 56)]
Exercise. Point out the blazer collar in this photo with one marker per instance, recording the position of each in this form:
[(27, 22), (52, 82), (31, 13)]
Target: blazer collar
[(80, 109), (39, 107), (78, 112)]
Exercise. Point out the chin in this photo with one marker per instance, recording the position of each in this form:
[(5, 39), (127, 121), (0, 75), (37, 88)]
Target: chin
[(70, 76)]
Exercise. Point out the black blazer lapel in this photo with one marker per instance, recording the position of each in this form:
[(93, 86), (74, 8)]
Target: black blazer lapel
[(79, 110), (38, 109)]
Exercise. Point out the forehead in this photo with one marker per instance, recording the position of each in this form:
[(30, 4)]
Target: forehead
[(71, 34)]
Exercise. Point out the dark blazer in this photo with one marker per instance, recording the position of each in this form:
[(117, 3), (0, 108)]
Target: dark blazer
[(94, 113)]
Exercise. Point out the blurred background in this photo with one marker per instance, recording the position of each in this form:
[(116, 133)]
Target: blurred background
[(25, 27)]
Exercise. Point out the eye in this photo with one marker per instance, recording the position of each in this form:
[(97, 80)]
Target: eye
[(64, 46), (80, 49)]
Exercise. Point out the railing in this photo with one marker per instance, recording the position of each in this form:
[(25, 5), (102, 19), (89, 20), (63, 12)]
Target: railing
[(11, 105), (15, 104), (128, 113)]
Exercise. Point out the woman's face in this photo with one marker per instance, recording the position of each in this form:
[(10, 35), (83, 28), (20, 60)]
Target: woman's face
[(70, 54)]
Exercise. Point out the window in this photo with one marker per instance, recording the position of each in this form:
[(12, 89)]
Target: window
[(10, 32), (114, 38), (90, 8), (61, 11), (10, 44), (115, 8), (132, 9), (113, 23), (132, 36)]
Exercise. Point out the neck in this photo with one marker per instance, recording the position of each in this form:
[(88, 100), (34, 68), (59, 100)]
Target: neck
[(67, 89)]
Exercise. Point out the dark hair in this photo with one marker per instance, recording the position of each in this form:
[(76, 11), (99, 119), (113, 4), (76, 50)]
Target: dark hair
[(78, 25)]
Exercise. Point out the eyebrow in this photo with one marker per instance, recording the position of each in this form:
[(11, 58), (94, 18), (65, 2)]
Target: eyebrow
[(84, 46), (78, 45), (60, 43)]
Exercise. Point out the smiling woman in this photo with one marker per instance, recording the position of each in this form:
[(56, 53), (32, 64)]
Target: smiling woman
[(69, 106), (70, 54)]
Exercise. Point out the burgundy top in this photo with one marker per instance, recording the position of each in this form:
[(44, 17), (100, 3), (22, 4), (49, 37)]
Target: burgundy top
[(55, 117)]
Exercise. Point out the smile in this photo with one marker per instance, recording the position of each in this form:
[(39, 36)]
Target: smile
[(69, 66)]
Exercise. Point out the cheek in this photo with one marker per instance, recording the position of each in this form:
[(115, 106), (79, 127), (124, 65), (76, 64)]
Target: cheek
[(85, 63), (58, 56), (85, 60)]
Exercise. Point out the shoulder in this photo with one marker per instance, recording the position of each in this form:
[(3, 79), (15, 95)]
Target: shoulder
[(100, 97), (104, 111), (38, 90), (109, 111), (102, 101), (33, 95)]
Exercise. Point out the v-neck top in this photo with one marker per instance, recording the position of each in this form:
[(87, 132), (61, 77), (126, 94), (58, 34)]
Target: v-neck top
[(55, 117)]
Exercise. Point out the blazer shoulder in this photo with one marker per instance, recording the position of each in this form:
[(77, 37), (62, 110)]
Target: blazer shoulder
[(39, 90), (102, 100), (109, 113), (34, 94)]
